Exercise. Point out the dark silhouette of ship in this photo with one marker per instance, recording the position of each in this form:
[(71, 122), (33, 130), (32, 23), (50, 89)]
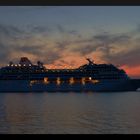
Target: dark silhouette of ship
[(28, 77)]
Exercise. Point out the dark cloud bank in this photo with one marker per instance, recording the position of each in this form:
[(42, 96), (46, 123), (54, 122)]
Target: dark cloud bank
[(119, 49)]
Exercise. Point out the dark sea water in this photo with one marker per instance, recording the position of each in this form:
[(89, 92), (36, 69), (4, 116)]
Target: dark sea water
[(70, 113)]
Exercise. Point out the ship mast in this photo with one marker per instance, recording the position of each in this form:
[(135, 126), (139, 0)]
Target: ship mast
[(91, 62)]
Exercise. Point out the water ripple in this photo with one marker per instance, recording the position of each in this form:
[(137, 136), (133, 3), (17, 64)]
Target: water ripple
[(59, 113)]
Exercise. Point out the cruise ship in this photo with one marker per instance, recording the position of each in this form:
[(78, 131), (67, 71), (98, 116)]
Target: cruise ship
[(28, 77)]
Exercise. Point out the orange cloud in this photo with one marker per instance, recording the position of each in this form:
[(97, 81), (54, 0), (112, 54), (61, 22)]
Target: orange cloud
[(132, 71), (68, 60)]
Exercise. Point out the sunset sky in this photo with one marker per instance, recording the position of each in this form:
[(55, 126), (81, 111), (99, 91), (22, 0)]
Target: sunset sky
[(62, 36)]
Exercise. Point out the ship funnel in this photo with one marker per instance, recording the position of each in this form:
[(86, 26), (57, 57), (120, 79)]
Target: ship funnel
[(25, 61)]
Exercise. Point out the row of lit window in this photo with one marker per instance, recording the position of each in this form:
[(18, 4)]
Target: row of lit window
[(72, 80), (59, 81), (18, 65)]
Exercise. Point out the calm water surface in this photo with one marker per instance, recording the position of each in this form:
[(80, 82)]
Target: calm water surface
[(70, 113)]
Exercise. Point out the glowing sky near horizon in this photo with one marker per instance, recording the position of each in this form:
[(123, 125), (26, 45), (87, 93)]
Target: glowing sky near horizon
[(62, 36)]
